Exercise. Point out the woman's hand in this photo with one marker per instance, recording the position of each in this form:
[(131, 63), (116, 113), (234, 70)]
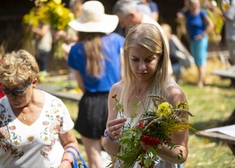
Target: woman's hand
[(199, 37), (114, 128)]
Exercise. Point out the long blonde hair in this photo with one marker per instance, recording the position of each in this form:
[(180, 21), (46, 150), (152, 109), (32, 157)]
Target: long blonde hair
[(152, 38)]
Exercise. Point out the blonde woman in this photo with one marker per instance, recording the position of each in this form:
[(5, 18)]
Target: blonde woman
[(146, 59)]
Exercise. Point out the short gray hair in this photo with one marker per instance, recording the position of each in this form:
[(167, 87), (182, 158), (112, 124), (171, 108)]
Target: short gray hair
[(124, 7)]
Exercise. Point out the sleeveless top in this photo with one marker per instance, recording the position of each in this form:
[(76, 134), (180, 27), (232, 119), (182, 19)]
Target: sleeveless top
[(162, 163)]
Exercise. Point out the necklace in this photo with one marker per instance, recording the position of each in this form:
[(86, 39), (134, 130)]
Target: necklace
[(23, 117), (139, 95)]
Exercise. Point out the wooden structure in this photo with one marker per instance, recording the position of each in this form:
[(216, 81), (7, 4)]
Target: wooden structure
[(228, 73), (219, 137)]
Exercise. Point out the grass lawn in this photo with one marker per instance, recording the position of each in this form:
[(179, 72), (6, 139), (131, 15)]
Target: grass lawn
[(210, 105)]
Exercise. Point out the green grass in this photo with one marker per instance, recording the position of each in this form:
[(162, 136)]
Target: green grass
[(210, 106)]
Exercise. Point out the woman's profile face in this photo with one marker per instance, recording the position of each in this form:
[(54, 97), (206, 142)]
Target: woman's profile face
[(143, 63)]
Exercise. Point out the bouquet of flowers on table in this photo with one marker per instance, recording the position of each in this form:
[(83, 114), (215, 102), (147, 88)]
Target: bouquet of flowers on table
[(154, 128)]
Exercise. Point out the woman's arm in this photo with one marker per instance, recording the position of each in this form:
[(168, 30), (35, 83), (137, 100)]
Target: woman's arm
[(114, 125), (79, 80), (68, 139), (209, 25), (174, 95), (41, 31)]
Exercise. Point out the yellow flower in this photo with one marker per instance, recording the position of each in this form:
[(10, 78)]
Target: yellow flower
[(57, 1), (181, 105), (59, 10), (30, 18), (164, 110)]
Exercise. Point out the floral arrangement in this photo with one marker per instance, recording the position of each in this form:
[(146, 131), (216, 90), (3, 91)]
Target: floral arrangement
[(55, 14), (154, 129), (225, 4), (52, 12), (216, 15)]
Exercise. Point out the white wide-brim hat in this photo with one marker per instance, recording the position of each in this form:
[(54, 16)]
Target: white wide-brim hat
[(93, 19)]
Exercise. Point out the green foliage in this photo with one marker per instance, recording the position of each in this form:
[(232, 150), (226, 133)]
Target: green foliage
[(154, 129)]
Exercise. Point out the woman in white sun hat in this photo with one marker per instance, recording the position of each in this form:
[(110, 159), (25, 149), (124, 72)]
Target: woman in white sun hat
[(95, 60)]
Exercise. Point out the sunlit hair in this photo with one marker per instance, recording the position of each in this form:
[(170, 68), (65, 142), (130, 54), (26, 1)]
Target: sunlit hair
[(94, 53), (151, 37), (18, 68)]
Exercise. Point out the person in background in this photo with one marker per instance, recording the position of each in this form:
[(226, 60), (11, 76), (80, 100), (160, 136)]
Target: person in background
[(44, 45), (36, 128), (143, 7), (198, 26), (96, 63), (175, 62), (229, 16), (153, 7), (69, 35), (145, 59), (130, 15)]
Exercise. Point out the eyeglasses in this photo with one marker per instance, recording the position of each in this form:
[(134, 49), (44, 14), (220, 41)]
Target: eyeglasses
[(15, 92)]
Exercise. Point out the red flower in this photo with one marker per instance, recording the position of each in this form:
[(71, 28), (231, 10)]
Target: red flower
[(142, 165), (141, 125), (149, 140), (166, 142), (143, 150)]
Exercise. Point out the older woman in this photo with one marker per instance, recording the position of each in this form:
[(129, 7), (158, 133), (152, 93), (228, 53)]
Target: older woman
[(35, 127)]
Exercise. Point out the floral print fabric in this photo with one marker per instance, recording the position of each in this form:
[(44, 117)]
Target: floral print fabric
[(25, 145)]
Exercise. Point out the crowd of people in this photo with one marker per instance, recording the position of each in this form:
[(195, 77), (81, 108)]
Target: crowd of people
[(126, 53)]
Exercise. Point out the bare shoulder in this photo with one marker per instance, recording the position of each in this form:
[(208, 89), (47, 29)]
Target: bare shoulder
[(116, 88), (175, 94)]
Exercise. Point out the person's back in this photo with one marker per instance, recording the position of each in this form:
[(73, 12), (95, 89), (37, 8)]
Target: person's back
[(110, 68), (96, 61), (44, 45)]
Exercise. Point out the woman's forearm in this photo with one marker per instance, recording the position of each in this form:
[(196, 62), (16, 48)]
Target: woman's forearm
[(110, 147), (170, 155)]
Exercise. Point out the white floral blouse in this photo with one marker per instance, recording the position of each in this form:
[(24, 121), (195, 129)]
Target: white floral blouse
[(36, 145)]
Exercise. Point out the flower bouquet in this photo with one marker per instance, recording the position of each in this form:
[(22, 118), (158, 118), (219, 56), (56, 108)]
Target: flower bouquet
[(54, 13), (216, 15), (154, 129)]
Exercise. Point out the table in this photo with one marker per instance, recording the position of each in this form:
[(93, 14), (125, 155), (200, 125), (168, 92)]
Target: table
[(226, 73), (65, 95), (220, 137)]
